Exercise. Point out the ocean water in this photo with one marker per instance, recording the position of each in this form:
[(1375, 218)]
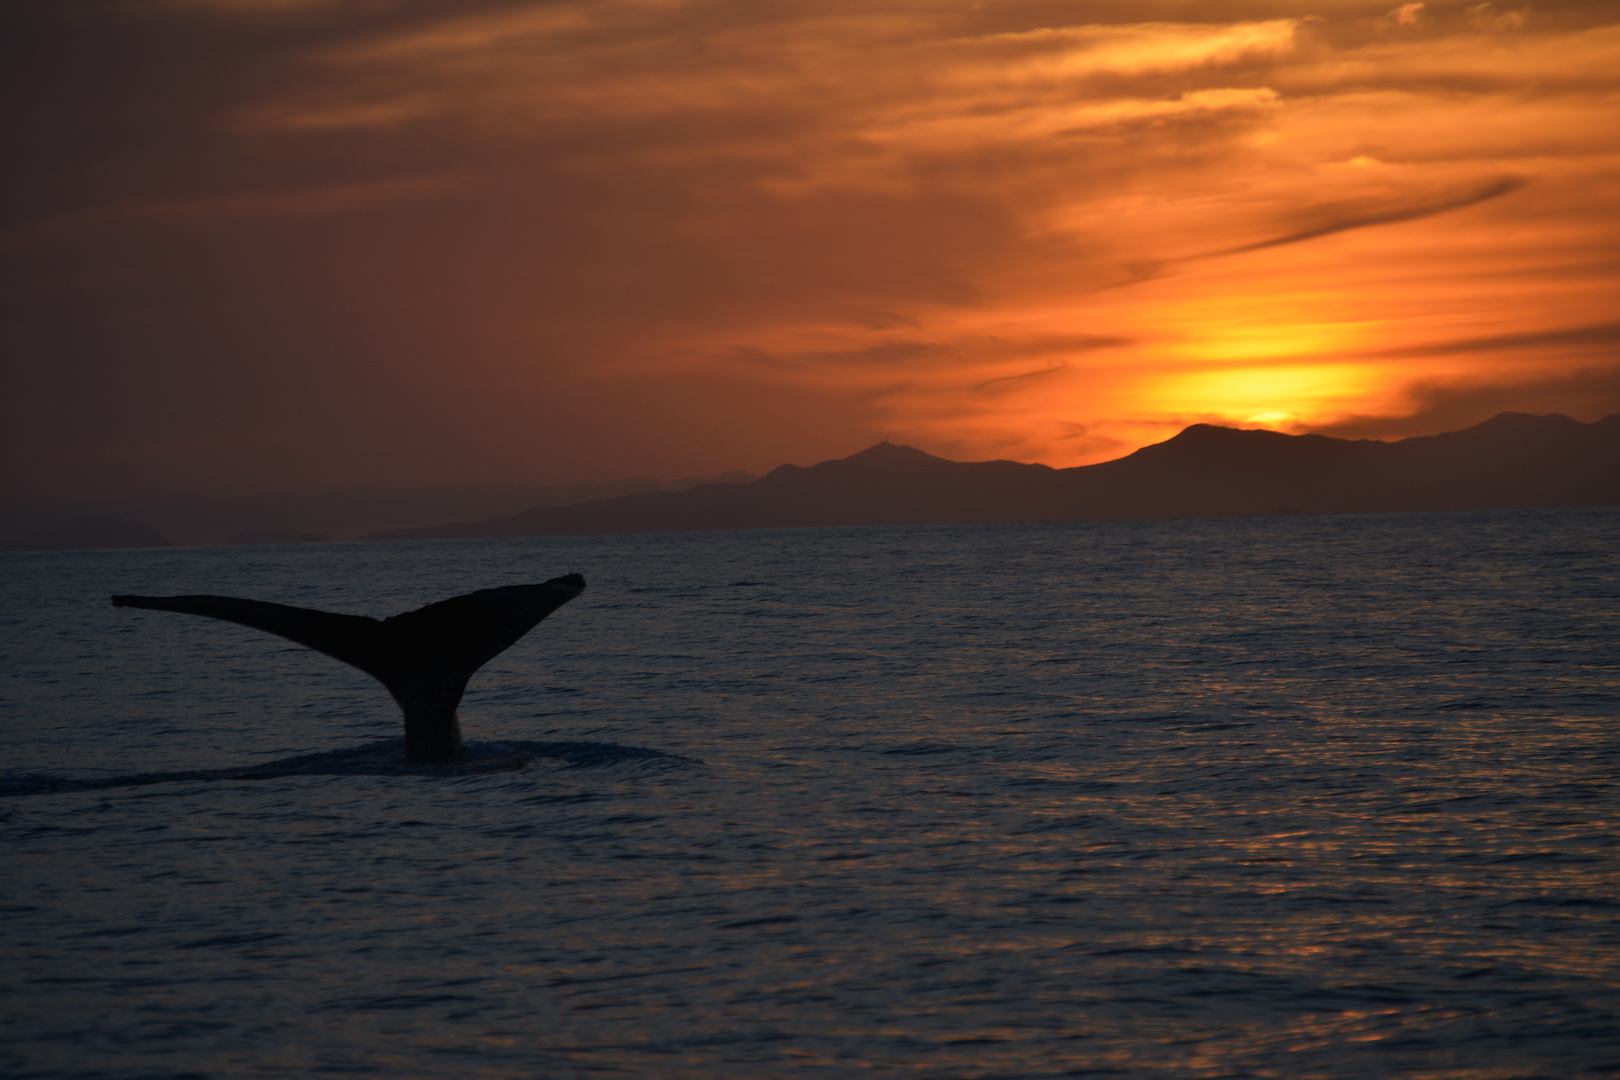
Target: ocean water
[(1325, 797)]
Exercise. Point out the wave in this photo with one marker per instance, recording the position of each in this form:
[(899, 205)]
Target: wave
[(385, 758)]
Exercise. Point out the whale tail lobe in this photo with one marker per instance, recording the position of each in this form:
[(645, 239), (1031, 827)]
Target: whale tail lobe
[(424, 657)]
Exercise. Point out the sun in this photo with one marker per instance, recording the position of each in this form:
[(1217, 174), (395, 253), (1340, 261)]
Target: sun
[(1272, 419), (1273, 396)]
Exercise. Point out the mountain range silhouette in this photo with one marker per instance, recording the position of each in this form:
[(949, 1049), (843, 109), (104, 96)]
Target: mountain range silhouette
[(1511, 460)]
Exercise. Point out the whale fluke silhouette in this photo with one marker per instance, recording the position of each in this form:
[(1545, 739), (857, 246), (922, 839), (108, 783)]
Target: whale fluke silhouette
[(424, 657)]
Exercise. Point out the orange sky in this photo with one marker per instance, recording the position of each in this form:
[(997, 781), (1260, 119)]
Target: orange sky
[(294, 244)]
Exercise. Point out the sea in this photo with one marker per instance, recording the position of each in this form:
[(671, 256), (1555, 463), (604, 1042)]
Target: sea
[(1295, 796)]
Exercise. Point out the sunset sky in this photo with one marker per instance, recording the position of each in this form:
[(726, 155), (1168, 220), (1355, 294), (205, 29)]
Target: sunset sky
[(266, 245)]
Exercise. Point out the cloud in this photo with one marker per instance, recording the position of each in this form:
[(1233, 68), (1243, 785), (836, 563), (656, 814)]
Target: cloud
[(1004, 382), (1337, 219), (1406, 15)]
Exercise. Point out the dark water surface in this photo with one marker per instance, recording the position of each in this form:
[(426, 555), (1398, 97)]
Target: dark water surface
[(1290, 797)]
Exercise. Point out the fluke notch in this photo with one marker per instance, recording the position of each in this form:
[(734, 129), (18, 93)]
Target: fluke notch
[(423, 657)]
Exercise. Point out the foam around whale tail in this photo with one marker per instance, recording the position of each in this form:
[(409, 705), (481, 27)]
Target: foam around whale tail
[(423, 657)]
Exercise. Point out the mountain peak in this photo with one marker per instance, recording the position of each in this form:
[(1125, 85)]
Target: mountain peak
[(888, 451)]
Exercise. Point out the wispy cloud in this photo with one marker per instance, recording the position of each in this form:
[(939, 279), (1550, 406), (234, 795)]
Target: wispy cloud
[(1603, 336), (1336, 219)]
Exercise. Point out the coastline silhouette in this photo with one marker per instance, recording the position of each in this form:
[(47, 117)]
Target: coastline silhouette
[(1511, 460), (90, 534), (423, 657)]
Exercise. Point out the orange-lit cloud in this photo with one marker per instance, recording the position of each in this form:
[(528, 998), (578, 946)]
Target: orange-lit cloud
[(301, 243)]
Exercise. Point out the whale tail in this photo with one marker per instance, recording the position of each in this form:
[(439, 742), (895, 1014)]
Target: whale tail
[(424, 657)]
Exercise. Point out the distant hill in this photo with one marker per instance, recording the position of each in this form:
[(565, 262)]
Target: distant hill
[(277, 536), (95, 532), (1513, 459)]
